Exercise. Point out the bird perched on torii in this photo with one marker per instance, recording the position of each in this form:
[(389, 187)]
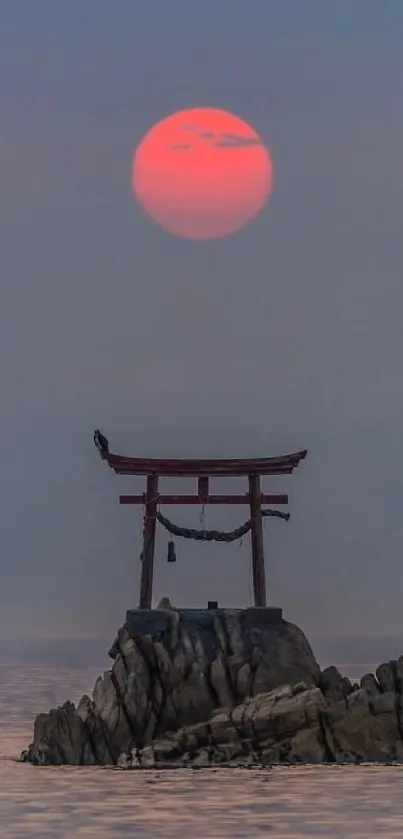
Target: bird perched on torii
[(101, 442)]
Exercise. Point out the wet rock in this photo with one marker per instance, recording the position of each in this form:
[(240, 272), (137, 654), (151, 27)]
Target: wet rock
[(97, 738), (385, 675), (164, 603), (267, 728), (358, 701), (285, 657), (385, 703), (306, 747), (334, 686), (362, 737), (60, 737), (299, 687), (335, 712), (221, 682), (370, 684)]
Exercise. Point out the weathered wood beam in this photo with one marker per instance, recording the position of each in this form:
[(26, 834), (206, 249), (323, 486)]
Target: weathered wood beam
[(194, 468), (185, 500), (212, 472)]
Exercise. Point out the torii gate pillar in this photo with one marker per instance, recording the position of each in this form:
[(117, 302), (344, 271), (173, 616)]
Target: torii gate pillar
[(147, 556), (258, 564)]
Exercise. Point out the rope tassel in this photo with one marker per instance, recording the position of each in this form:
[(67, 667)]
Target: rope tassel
[(171, 556)]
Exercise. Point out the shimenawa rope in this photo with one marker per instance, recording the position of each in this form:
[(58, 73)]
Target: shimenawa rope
[(215, 535)]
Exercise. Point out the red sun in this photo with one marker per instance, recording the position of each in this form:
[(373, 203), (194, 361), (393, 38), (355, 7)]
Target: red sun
[(202, 173)]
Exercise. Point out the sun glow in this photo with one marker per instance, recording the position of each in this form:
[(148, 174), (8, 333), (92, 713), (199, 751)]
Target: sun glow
[(202, 173)]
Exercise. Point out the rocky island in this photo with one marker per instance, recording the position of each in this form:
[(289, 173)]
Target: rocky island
[(198, 687)]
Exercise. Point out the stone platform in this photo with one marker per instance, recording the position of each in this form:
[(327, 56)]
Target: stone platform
[(202, 623), (152, 621)]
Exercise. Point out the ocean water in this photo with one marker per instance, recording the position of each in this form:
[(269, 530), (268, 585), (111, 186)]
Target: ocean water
[(79, 803)]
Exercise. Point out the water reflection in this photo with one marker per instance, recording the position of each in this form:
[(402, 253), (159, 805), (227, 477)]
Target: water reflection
[(64, 802)]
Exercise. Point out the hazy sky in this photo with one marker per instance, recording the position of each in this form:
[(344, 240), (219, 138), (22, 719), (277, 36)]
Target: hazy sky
[(284, 336)]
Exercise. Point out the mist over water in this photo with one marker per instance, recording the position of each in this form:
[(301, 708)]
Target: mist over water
[(82, 803)]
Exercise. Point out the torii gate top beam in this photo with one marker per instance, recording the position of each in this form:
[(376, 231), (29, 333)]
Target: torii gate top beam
[(283, 465)]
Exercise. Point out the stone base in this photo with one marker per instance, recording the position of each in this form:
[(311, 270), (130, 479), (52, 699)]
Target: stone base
[(141, 622)]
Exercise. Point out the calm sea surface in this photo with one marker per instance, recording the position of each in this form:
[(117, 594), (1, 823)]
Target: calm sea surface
[(79, 803)]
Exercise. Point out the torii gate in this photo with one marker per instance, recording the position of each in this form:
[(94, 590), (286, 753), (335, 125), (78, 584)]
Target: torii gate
[(203, 470)]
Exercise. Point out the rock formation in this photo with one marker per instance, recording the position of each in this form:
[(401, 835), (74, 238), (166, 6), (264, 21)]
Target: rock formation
[(230, 687), (289, 725), (172, 669), (165, 603)]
